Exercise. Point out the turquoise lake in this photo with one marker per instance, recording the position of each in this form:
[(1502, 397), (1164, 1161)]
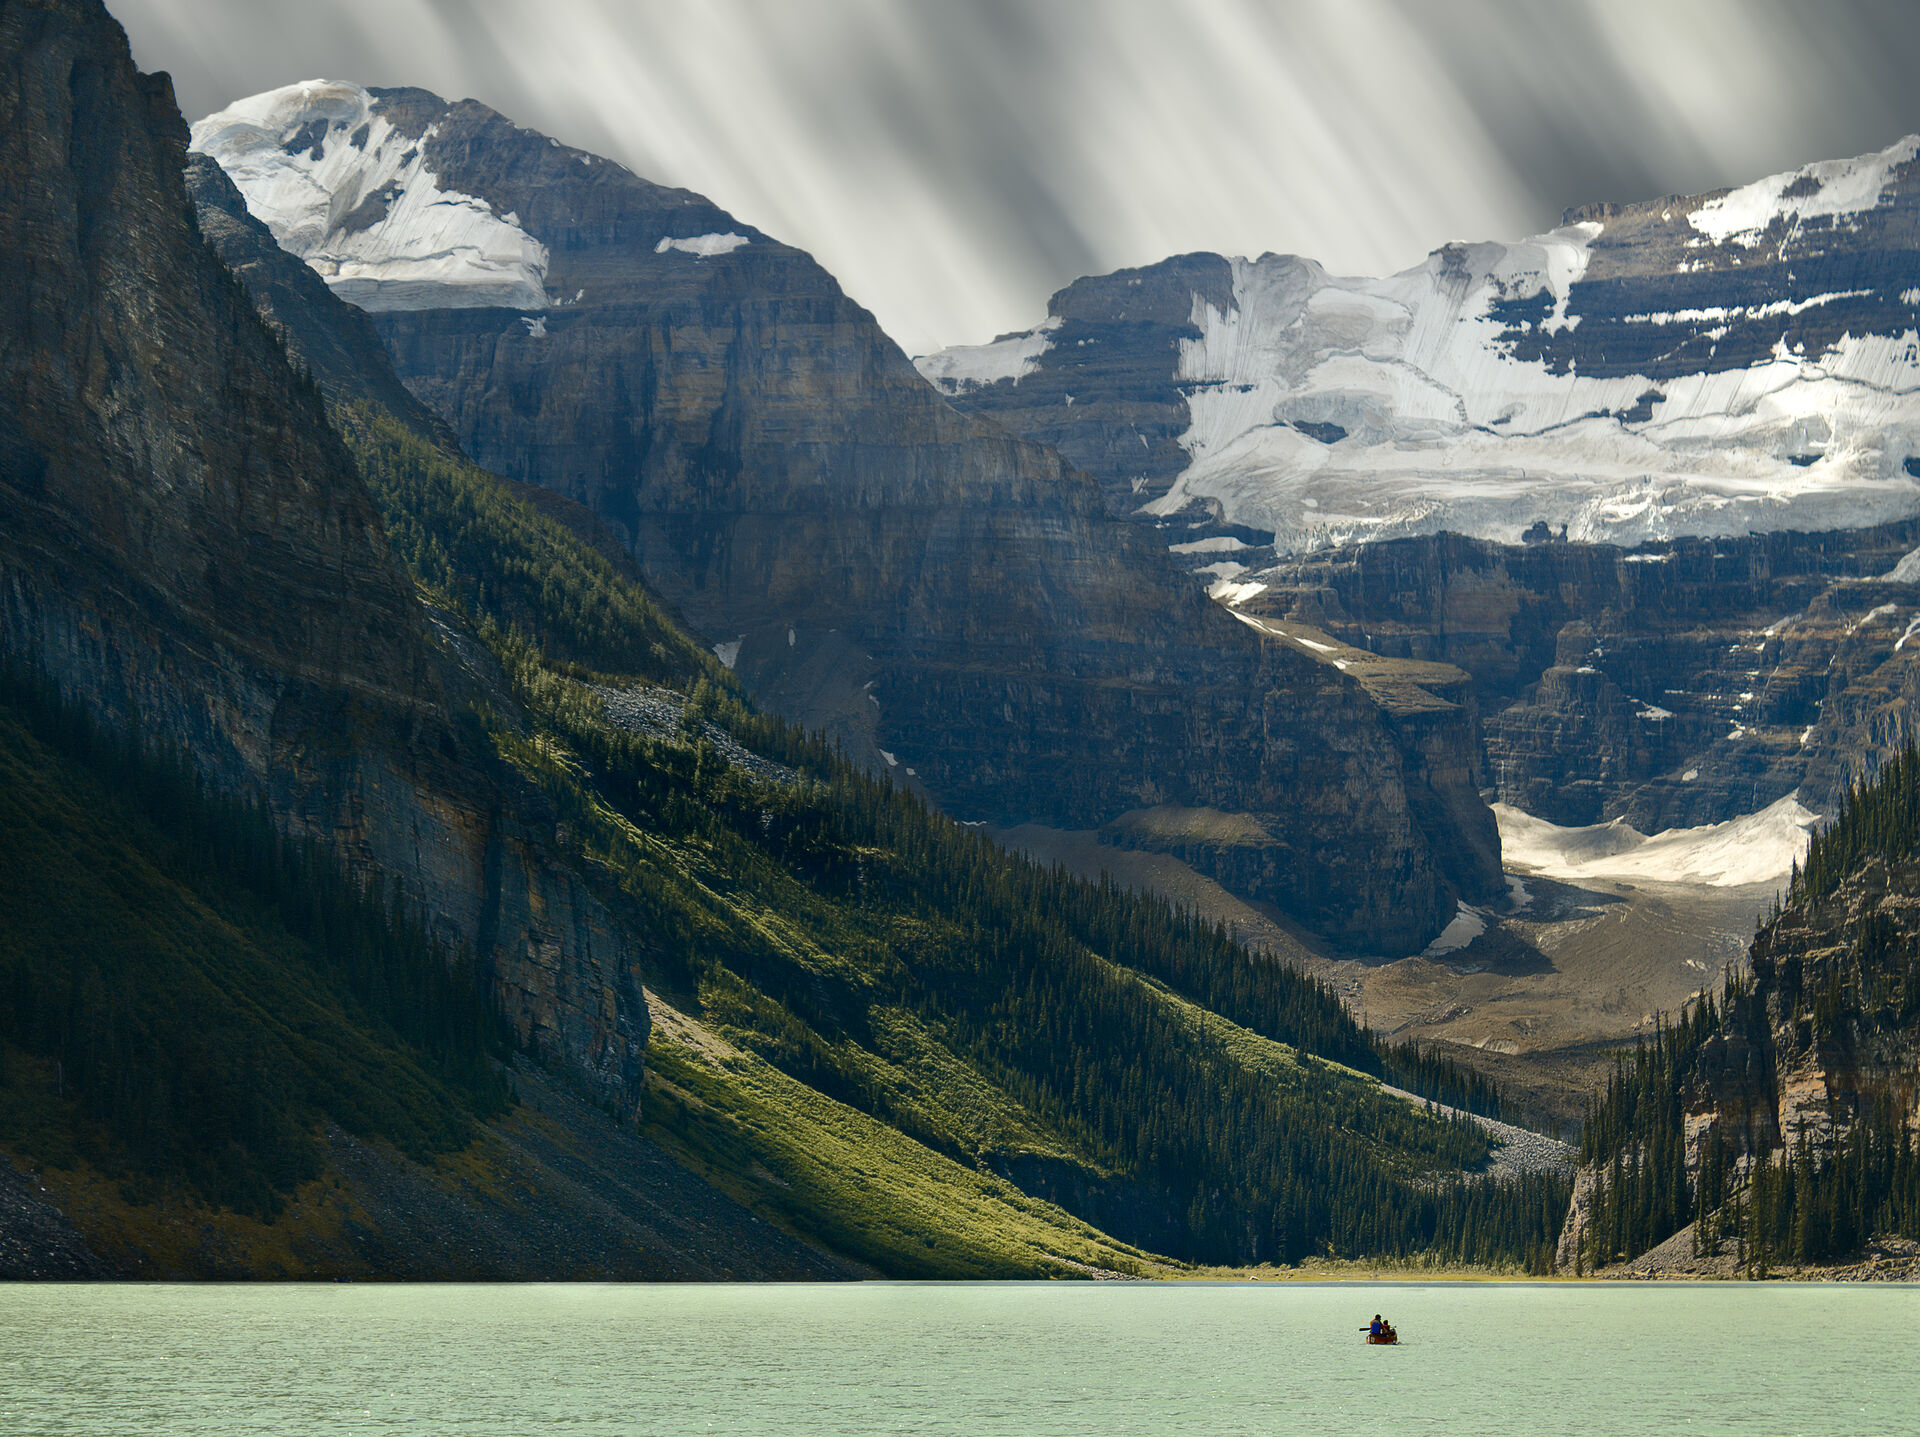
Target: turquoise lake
[(1108, 1360)]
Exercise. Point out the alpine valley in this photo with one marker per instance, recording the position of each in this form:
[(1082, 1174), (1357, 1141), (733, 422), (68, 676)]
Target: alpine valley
[(539, 744)]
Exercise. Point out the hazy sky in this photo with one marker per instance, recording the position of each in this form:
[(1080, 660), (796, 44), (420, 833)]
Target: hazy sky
[(954, 162)]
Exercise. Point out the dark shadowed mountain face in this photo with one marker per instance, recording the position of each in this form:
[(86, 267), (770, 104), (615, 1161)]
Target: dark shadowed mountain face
[(334, 343), (952, 601), (236, 955), (186, 548), (1677, 684)]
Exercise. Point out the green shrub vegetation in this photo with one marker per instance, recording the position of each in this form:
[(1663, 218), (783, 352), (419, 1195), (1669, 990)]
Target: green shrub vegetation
[(472, 542)]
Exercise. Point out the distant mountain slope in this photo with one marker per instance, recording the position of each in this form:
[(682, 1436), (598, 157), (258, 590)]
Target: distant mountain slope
[(949, 601), (1683, 682), (1743, 360)]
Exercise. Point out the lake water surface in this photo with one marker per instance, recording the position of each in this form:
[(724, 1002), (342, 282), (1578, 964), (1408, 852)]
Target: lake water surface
[(1103, 1360)]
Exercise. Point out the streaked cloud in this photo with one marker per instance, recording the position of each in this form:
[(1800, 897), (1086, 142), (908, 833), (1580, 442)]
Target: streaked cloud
[(955, 161)]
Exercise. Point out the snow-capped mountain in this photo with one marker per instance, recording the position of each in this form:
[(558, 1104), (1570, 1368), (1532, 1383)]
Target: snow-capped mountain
[(349, 192), (1745, 360)]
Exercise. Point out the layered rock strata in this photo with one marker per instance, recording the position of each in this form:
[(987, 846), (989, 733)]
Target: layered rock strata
[(186, 548), (1676, 684)]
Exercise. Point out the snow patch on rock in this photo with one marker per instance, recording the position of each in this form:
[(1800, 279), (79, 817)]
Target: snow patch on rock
[(1230, 593), (1467, 924), (703, 246), (1218, 544), (970, 366)]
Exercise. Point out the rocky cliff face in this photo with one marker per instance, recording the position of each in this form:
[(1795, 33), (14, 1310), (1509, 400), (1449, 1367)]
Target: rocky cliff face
[(185, 547), (1825, 1038), (1099, 380), (1831, 978), (333, 342), (950, 600), (1704, 365), (1681, 683)]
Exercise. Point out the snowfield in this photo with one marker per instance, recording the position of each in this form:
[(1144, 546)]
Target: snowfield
[(353, 197), (703, 246), (1755, 848)]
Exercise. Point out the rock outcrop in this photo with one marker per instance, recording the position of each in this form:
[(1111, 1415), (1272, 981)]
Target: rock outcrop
[(1822, 1039), (1099, 381), (947, 599), (186, 549), (1830, 979)]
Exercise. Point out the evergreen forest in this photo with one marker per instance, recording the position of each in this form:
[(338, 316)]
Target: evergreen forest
[(1780, 1198), (1135, 1045), (192, 996)]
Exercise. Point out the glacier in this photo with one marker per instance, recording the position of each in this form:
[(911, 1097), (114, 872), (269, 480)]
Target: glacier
[(346, 191), (1740, 362)]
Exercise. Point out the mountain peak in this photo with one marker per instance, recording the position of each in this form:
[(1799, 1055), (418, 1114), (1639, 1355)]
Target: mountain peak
[(1740, 360), (341, 177)]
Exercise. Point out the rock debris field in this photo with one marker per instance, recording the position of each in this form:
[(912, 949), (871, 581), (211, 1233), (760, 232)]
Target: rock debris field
[(1516, 1150), (655, 713)]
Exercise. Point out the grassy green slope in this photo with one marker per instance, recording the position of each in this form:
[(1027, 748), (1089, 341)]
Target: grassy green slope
[(949, 1004)]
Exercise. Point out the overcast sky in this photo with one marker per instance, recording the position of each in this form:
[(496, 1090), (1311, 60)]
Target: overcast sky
[(954, 162)]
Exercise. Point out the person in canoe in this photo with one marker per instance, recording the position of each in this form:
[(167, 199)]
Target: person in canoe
[(1380, 1330)]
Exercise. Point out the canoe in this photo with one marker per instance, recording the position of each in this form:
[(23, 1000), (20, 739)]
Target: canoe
[(1383, 1339)]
